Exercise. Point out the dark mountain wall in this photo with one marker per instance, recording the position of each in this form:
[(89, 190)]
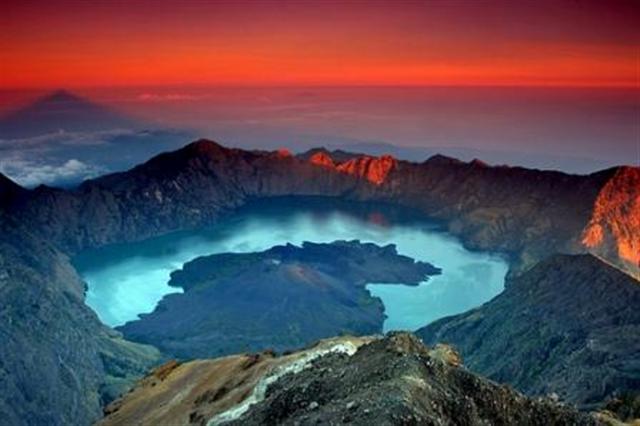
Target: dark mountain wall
[(568, 326), (526, 214), (58, 363)]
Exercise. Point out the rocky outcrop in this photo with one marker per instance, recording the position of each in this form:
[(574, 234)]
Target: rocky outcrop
[(282, 298), (383, 381), (336, 155), (323, 159), (568, 326), (373, 169), (613, 232), (58, 363)]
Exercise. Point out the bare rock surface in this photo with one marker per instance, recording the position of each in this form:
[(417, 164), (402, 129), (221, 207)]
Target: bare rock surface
[(394, 380)]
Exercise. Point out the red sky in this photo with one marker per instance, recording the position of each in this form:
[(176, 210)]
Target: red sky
[(71, 44)]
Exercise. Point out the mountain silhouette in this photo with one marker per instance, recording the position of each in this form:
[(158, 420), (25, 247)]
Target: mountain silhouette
[(61, 111)]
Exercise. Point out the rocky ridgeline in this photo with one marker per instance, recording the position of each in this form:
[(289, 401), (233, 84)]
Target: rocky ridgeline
[(526, 214), (363, 381), (375, 170)]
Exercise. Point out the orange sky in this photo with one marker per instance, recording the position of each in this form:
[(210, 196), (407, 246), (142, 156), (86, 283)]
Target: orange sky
[(456, 42)]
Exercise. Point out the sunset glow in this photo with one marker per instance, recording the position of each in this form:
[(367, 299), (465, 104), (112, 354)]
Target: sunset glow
[(75, 44)]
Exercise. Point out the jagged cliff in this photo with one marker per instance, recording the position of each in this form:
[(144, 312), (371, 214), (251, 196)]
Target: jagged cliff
[(526, 213), (362, 381), (184, 189), (613, 232), (375, 170), (568, 326)]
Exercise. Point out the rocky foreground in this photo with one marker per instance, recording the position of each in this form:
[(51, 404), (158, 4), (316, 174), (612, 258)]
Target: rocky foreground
[(388, 380)]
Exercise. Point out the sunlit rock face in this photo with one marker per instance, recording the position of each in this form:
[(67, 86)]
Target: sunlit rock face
[(373, 169), (322, 159), (283, 153), (614, 228)]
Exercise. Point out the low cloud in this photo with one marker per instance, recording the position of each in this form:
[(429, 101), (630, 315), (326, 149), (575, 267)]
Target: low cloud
[(30, 173), (67, 158), (55, 140)]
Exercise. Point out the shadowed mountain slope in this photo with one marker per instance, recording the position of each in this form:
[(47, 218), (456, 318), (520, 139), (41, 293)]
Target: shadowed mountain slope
[(58, 363), (569, 326), (9, 191)]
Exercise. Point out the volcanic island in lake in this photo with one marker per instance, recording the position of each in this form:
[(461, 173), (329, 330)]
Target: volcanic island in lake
[(283, 298)]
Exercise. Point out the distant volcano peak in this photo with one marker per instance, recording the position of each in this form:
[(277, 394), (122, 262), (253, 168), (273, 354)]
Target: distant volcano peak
[(61, 95), (61, 110)]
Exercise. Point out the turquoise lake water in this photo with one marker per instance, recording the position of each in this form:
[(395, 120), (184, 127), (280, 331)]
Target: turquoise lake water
[(129, 279)]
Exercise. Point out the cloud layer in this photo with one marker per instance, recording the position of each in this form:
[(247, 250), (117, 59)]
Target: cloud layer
[(30, 173), (68, 158)]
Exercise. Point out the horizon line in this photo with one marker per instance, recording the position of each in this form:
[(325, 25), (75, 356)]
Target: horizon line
[(635, 85)]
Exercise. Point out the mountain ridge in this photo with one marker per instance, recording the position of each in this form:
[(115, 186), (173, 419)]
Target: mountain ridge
[(539, 211)]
